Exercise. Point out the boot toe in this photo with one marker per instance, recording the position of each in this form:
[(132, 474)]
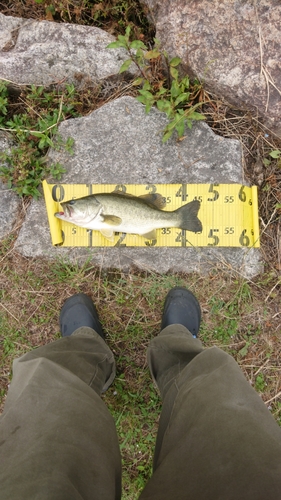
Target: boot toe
[(182, 307), (79, 311)]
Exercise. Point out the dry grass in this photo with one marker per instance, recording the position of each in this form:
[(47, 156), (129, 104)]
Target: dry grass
[(111, 15), (240, 316), (259, 168)]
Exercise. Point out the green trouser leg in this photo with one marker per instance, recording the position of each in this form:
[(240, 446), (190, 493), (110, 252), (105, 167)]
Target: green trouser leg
[(57, 438), (216, 440)]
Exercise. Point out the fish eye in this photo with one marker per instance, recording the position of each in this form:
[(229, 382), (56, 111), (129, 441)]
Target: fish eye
[(71, 202)]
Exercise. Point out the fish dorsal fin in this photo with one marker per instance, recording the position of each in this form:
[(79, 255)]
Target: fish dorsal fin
[(126, 195), (154, 199), (111, 220), (118, 191)]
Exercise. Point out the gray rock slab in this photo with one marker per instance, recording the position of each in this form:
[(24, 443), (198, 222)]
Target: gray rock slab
[(9, 201), (233, 46), (119, 143), (42, 53)]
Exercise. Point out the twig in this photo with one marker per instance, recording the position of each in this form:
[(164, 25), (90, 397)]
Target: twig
[(9, 312), (33, 312), (261, 367), (274, 397), (273, 288)]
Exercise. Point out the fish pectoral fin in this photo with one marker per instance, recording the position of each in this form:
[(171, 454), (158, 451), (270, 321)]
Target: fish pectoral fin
[(112, 220), (151, 235), (108, 234)]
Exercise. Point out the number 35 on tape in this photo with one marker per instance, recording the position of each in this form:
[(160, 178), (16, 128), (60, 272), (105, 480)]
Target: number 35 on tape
[(228, 213)]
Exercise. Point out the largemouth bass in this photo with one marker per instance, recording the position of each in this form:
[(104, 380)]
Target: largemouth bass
[(125, 213)]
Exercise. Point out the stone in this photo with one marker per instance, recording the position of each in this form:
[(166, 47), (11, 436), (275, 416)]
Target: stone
[(233, 46), (42, 53), (119, 143), (9, 201)]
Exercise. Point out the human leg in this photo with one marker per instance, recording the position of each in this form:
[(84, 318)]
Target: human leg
[(58, 439), (216, 438)]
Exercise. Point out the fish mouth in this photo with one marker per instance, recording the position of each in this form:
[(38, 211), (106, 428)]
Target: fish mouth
[(68, 211)]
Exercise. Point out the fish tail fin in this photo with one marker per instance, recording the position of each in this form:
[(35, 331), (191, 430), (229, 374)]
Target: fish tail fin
[(188, 217)]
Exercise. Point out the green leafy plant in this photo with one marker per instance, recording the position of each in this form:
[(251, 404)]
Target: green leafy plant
[(34, 128), (3, 101), (275, 154), (260, 382), (163, 86)]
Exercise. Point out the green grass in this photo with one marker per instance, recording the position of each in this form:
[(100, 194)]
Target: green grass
[(235, 317), (136, 413), (32, 121)]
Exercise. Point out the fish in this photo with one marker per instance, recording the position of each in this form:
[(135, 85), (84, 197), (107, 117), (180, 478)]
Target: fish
[(125, 213)]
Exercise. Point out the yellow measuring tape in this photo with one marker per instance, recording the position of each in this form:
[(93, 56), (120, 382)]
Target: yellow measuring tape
[(228, 212)]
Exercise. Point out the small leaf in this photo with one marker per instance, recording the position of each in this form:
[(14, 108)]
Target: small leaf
[(182, 98), (42, 143), (175, 90), (138, 44), (141, 99), (180, 128), (138, 81), (122, 38), (146, 94), (37, 134), (171, 125), (116, 45), (164, 106), (152, 54), (139, 55), (146, 85), (185, 82), (148, 107), (244, 350), (174, 73), (126, 64), (175, 61), (167, 135), (162, 91), (196, 116), (275, 153)]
